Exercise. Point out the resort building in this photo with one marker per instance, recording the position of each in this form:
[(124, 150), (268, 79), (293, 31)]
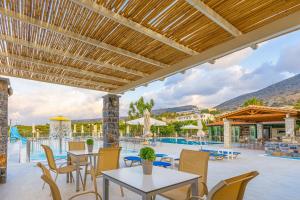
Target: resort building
[(203, 117), (254, 123)]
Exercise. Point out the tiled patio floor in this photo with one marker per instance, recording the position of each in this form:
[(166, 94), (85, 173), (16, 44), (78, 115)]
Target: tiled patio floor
[(278, 179)]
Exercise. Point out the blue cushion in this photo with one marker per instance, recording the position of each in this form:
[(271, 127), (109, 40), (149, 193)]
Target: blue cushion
[(160, 155), (132, 158), (161, 164)]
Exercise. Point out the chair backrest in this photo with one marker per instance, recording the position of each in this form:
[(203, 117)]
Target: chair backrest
[(50, 157), (48, 179), (232, 188), (53, 187), (195, 162), (108, 159), (76, 145), (45, 171)]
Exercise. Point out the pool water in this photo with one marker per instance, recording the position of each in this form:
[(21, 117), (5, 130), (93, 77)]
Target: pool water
[(40, 156), (37, 152), (184, 141)]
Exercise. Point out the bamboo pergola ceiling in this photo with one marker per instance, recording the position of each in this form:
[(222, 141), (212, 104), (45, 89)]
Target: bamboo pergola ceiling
[(118, 45)]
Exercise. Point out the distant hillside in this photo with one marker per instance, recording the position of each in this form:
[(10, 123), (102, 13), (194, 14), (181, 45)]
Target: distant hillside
[(283, 93), (187, 108)]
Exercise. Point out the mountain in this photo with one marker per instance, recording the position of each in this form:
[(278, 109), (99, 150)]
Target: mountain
[(283, 93), (187, 108)]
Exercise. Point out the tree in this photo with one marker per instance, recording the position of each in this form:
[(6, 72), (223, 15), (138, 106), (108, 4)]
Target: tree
[(253, 101), (297, 105), (136, 109)]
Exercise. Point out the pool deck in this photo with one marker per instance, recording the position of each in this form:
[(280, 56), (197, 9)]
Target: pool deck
[(279, 178)]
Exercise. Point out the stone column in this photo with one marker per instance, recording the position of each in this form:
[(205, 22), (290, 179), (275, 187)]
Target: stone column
[(227, 133), (4, 83), (290, 125), (259, 127), (110, 120)]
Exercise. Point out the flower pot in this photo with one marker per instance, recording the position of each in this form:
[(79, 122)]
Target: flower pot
[(90, 148), (147, 167)]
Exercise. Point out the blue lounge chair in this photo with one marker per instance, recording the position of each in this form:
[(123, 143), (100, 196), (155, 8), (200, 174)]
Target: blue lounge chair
[(214, 154), (161, 164), (132, 160), (161, 155)]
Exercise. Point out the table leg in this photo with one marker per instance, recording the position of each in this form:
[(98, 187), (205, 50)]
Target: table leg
[(77, 173), (68, 174), (195, 189), (105, 188), (146, 197), (95, 162)]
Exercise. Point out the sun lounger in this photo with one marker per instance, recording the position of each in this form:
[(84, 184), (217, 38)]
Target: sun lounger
[(132, 160), (161, 164)]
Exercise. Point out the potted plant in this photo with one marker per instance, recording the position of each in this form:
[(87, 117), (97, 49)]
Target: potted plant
[(90, 144), (147, 155)]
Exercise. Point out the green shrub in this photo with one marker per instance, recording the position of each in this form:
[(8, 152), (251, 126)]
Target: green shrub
[(147, 153), (90, 141)]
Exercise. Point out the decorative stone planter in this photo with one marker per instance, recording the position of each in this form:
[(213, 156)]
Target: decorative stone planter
[(90, 148), (147, 167)]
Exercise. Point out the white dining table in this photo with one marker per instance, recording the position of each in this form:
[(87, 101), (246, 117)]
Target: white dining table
[(77, 154), (148, 186)]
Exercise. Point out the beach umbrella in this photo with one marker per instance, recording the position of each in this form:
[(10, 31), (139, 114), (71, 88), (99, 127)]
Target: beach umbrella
[(147, 123), (140, 121), (33, 130), (127, 129), (100, 130), (94, 130), (37, 133), (82, 131), (200, 132), (189, 127), (74, 128)]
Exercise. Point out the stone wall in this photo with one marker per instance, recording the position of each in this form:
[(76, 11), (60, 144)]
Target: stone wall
[(110, 120), (3, 128)]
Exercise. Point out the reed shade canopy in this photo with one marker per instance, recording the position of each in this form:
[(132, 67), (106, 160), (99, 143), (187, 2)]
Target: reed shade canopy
[(117, 45)]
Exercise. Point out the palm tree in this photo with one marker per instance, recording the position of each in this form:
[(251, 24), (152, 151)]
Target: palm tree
[(253, 101)]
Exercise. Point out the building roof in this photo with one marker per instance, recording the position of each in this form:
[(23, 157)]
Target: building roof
[(117, 45), (259, 114), (221, 123)]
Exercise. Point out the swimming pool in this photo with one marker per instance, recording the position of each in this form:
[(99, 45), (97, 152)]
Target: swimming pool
[(37, 152), (184, 141), (40, 156)]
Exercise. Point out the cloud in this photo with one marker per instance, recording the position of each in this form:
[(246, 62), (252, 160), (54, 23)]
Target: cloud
[(37, 105), (208, 85), (289, 60)]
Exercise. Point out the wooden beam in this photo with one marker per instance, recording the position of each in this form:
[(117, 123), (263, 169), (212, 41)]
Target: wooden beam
[(101, 10), (274, 29), (97, 85), (70, 55), (256, 116), (215, 17), (5, 73), (64, 67), (81, 38)]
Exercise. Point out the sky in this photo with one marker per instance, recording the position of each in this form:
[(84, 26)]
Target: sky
[(206, 85)]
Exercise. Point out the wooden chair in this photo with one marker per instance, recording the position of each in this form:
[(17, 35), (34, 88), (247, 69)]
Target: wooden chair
[(55, 192), (232, 188), (108, 159), (83, 160), (194, 162), (52, 164)]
